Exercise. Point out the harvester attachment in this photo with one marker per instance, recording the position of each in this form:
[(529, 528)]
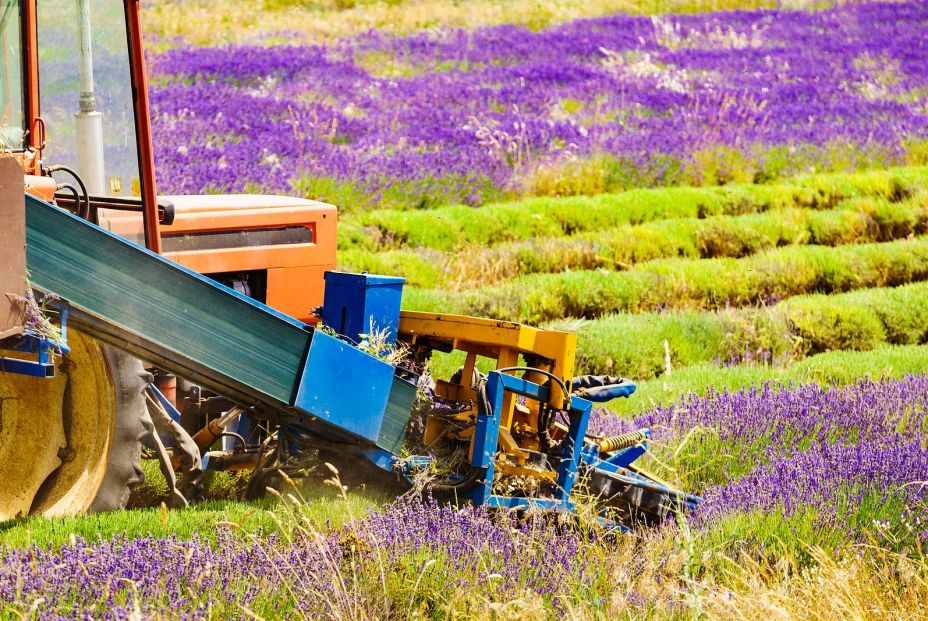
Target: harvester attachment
[(516, 437), (284, 392)]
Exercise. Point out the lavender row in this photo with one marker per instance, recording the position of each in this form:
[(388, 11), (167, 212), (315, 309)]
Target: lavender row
[(846, 486), (779, 416), (785, 449), (848, 454)]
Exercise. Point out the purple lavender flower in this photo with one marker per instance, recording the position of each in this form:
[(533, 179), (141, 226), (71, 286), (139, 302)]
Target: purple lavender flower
[(467, 115), (785, 449)]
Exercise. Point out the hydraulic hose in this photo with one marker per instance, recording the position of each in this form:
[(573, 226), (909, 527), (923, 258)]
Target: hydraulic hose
[(80, 183), (78, 202), (232, 434)]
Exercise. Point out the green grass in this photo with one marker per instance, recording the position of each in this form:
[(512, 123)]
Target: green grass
[(633, 344), (445, 228), (775, 536), (687, 283), (324, 507)]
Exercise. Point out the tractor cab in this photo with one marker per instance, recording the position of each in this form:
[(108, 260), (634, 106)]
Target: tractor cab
[(74, 110)]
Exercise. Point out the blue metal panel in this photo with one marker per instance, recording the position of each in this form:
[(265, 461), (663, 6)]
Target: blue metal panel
[(573, 444), (165, 403), (354, 301), (525, 388), (344, 387), (381, 458)]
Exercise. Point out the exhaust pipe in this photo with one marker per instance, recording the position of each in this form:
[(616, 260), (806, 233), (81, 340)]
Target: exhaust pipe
[(89, 121), (12, 247)]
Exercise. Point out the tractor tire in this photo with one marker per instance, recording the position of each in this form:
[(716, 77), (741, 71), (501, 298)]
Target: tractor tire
[(124, 468), (70, 443)]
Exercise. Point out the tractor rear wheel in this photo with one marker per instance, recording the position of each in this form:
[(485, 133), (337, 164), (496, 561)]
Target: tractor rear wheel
[(71, 443)]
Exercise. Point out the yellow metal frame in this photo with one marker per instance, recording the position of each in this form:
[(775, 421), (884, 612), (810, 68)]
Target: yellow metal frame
[(504, 342)]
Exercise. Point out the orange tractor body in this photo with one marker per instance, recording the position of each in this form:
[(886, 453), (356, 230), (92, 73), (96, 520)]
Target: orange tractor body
[(275, 249)]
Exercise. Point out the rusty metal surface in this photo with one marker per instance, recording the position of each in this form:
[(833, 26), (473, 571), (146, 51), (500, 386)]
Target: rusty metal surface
[(12, 247)]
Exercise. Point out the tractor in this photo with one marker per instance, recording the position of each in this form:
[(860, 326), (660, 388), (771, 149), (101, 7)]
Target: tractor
[(214, 332)]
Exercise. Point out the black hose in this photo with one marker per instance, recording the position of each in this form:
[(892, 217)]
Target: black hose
[(474, 474), (80, 182), (543, 411), (544, 440), (78, 205)]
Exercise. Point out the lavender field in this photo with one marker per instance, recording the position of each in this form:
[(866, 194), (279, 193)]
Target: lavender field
[(729, 207), (795, 478), (592, 106)]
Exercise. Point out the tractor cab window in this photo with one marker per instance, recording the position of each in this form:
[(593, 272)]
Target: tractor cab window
[(85, 96), (11, 80)]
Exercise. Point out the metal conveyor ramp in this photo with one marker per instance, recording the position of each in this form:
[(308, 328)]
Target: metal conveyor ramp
[(201, 330)]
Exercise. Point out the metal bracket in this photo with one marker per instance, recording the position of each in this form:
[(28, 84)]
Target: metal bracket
[(486, 439), (42, 347)]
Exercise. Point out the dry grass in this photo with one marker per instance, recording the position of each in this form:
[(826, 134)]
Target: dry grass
[(211, 22), (852, 583), (859, 584)]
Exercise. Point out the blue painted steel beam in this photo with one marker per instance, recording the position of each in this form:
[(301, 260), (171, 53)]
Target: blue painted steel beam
[(525, 387), (165, 403), (573, 444)]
